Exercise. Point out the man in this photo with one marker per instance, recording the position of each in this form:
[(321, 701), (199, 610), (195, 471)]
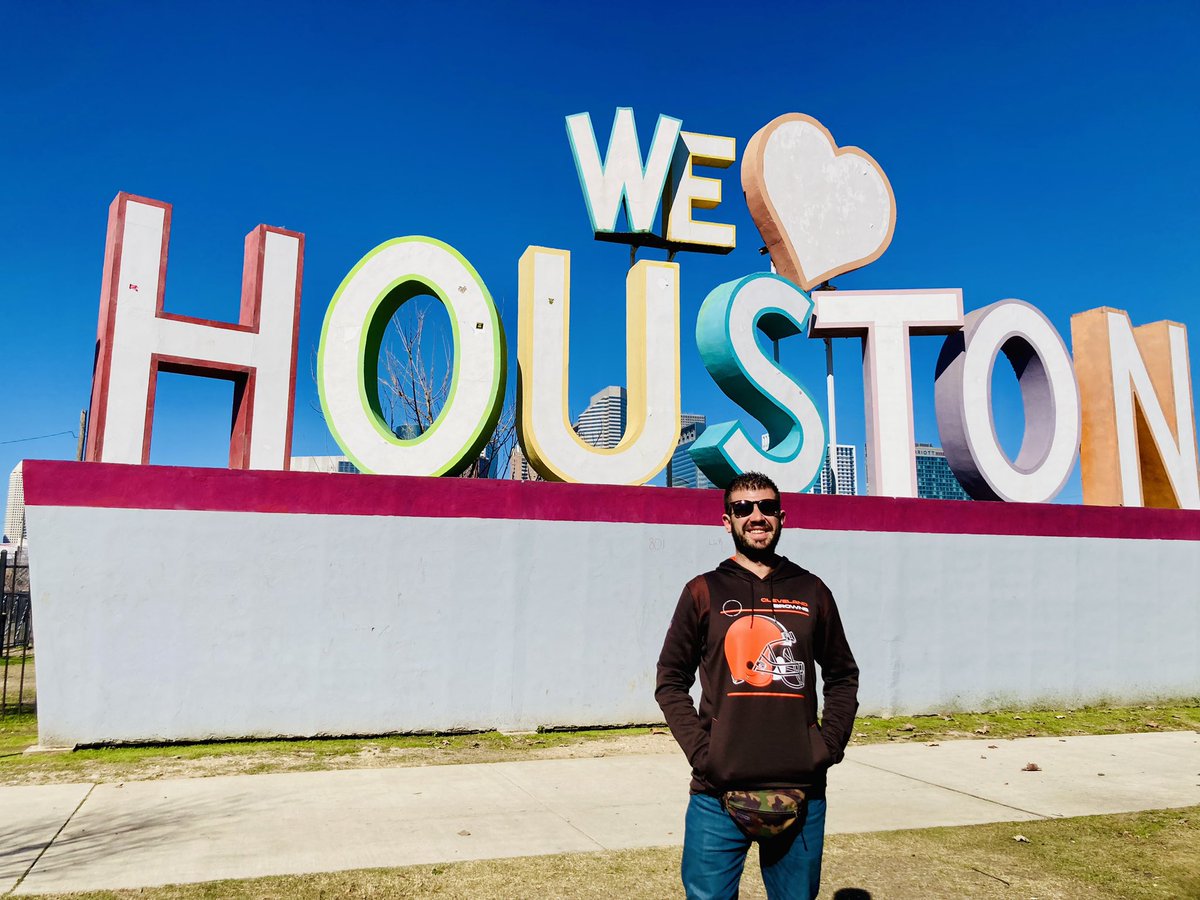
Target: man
[(755, 627)]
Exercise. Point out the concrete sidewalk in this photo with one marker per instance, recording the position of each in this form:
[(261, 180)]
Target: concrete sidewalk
[(93, 836)]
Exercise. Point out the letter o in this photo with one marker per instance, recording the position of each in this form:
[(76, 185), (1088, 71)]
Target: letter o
[(347, 361), (1049, 395)]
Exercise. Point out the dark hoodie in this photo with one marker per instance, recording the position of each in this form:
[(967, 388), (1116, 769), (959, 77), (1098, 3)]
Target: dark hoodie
[(755, 642)]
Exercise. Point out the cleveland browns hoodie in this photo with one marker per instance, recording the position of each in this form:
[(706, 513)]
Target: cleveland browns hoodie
[(757, 643)]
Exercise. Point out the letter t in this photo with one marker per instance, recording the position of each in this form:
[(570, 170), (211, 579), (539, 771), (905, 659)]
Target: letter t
[(885, 320)]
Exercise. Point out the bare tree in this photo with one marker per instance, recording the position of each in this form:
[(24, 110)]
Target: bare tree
[(415, 382)]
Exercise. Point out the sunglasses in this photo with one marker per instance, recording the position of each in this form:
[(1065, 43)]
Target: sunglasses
[(743, 508)]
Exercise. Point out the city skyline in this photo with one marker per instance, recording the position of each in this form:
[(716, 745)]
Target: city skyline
[(840, 479)]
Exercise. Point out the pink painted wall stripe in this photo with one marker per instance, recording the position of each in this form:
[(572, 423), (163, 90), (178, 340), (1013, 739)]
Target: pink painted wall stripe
[(108, 486)]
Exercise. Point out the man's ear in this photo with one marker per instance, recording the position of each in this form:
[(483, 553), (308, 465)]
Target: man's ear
[(728, 523), (782, 516)]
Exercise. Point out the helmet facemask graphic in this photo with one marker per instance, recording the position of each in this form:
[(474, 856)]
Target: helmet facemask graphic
[(758, 650), (776, 660)]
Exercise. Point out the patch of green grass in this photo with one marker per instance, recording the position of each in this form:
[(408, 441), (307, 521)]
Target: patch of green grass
[(18, 682), (17, 731), (334, 747), (1134, 856), (135, 762), (1182, 715), (130, 762)]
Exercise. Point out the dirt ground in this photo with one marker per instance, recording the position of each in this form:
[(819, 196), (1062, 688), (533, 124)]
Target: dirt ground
[(278, 759)]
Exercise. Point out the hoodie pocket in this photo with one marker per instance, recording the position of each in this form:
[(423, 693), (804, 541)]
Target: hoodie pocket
[(821, 757), (760, 741)]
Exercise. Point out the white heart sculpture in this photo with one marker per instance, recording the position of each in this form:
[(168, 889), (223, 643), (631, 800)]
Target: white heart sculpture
[(822, 210)]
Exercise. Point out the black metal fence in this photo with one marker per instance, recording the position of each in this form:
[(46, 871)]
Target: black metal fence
[(18, 689)]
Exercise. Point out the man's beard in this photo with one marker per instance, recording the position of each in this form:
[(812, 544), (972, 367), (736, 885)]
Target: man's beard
[(756, 554)]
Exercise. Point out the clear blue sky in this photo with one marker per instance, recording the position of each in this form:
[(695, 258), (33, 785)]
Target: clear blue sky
[(1044, 152)]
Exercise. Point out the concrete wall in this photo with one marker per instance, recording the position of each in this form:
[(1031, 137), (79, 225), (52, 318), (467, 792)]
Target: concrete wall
[(230, 604)]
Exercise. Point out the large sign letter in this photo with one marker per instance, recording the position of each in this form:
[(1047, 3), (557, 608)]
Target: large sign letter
[(963, 389), (1135, 384), (687, 191), (137, 339), (621, 178), (725, 335), (885, 320), (549, 442), (348, 360)]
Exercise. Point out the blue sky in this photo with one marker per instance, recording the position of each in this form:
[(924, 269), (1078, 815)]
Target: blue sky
[(1043, 152)]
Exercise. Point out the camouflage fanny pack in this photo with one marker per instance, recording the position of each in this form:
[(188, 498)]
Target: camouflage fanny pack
[(764, 813)]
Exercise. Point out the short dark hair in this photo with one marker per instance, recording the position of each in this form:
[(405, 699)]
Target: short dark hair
[(749, 481)]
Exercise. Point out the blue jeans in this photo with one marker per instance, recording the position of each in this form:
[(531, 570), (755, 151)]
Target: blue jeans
[(714, 853)]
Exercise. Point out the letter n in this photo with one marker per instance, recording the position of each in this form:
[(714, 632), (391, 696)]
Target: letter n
[(1139, 431), (137, 339)]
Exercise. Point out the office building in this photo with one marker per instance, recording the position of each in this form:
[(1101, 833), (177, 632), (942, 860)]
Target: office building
[(327, 464), (14, 515), (682, 470), (519, 468), (603, 422), (935, 480), (408, 431), (845, 468)]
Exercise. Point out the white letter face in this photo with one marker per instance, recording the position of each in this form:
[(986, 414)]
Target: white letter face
[(620, 177), (687, 191), (553, 448), (384, 279), (885, 320), (137, 340), (821, 209), (963, 390), (725, 336)]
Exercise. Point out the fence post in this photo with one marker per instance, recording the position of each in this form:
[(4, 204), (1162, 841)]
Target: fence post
[(4, 624)]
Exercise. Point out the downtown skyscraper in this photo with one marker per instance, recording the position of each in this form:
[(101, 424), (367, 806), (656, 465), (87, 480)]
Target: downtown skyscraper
[(682, 470), (603, 422), (844, 467), (14, 514), (935, 480)]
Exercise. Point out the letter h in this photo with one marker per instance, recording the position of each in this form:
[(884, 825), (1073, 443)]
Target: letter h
[(136, 339)]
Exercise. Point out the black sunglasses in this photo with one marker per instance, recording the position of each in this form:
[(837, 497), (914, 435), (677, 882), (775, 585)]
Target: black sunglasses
[(743, 508)]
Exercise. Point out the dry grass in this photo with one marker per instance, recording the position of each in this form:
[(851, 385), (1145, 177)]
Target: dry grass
[(139, 763), (143, 763), (18, 682), (1135, 856)]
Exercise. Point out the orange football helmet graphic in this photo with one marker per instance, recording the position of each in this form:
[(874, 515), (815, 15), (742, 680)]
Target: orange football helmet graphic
[(758, 650)]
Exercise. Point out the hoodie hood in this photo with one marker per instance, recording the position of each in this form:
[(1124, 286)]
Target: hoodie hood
[(785, 568)]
